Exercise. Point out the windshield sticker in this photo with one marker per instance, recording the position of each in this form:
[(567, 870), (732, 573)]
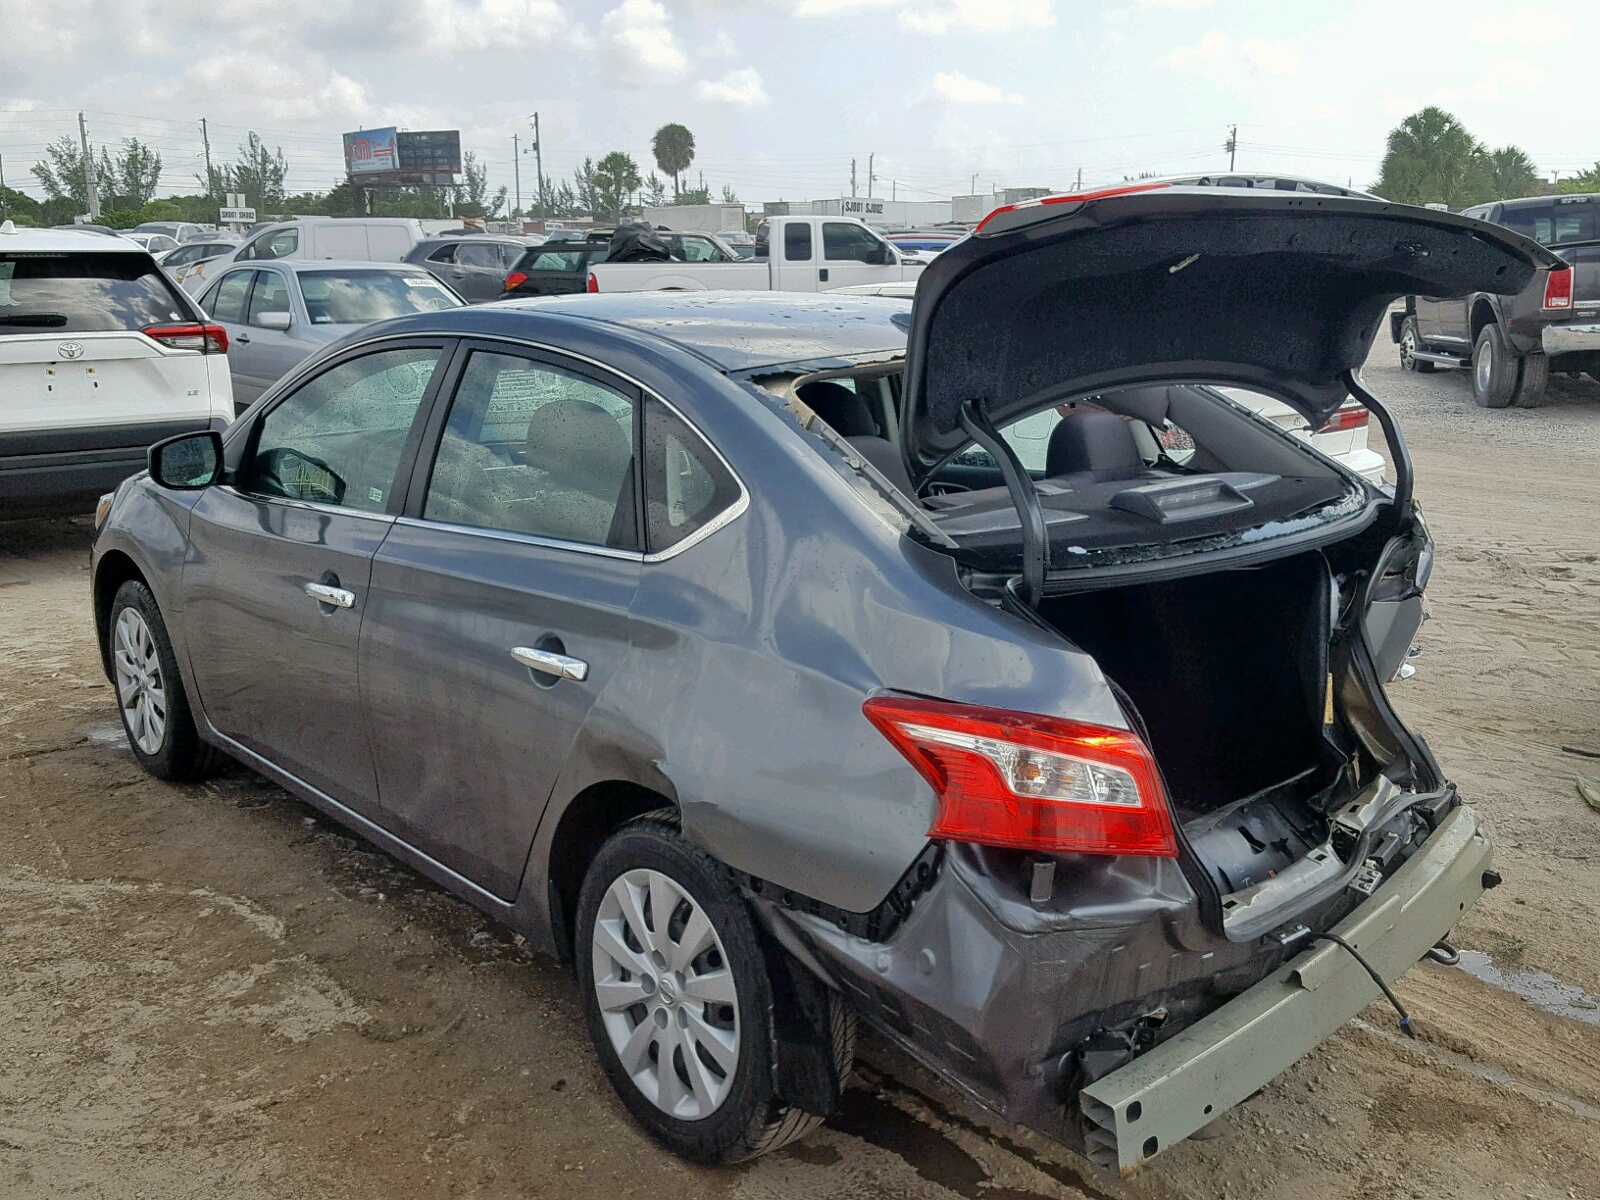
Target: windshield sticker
[(7, 270)]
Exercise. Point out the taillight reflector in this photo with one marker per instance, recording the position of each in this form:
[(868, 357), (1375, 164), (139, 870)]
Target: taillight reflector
[(1030, 782), (1350, 416), (594, 284), (208, 339), (1558, 288), (515, 280), (1074, 198)]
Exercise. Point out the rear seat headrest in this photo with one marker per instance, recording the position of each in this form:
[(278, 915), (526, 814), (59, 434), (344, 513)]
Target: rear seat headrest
[(845, 412), (1092, 441)]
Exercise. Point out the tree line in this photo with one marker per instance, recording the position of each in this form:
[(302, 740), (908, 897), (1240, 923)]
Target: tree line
[(127, 178), (1432, 158)]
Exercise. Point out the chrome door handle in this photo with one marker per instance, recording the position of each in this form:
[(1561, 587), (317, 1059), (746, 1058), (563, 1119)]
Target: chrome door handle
[(547, 662), (322, 593)]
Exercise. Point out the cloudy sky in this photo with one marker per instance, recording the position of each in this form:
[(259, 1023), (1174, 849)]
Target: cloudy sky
[(782, 94)]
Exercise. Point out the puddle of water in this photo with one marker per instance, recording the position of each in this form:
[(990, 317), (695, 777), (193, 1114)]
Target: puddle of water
[(106, 733), (1542, 988)]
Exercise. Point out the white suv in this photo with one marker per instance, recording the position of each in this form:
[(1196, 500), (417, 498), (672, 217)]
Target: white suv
[(100, 356)]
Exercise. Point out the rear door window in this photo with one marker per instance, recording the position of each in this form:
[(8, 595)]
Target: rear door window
[(227, 301), (84, 293), (687, 486), (797, 242)]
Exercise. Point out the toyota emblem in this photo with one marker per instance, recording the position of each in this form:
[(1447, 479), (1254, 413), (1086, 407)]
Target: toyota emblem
[(70, 350)]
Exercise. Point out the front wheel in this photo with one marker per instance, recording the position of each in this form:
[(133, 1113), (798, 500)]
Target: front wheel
[(1410, 343), (678, 1000), (1494, 369), (155, 710)]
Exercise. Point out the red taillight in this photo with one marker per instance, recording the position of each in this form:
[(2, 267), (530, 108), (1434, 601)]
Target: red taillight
[(1030, 782), (208, 339), (1558, 288), (515, 280), (1347, 416), (594, 284), (1073, 198)]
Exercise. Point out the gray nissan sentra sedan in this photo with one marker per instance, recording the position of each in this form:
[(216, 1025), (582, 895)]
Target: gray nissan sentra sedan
[(976, 669)]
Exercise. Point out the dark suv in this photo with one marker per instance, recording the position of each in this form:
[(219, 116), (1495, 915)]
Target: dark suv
[(562, 268), (475, 265), (1512, 343)]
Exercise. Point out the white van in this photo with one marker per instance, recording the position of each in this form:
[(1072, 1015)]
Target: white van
[(347, 239)]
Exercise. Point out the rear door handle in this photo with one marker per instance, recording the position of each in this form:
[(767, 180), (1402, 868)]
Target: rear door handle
[(324, 593), (547, 662)]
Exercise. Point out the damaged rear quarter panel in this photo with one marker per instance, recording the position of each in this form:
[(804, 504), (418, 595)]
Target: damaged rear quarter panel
[(755, 648)]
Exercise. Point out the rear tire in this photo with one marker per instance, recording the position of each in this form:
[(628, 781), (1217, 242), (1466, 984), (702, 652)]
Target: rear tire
[(150, 697), (1494, 369), (660, 999), (1410, 343), (1532, 381)]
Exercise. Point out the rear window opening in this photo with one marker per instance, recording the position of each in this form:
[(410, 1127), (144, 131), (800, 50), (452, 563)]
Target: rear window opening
[(1137, 473), (95, 292)]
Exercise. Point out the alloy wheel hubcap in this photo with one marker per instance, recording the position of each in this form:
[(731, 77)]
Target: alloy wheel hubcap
[(1408, 348), (1484, 366), (666, 994), (141, 691)]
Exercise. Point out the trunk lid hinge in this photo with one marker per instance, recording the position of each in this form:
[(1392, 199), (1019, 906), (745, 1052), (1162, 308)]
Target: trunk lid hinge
[(1035, 537)]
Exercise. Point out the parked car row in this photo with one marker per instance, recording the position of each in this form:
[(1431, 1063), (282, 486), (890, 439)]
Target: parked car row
[(1089, 795)]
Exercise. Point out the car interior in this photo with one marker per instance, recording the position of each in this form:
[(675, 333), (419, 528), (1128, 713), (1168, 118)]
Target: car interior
[(1131, 467)]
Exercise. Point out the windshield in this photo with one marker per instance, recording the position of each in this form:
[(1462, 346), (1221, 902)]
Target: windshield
[(356, 297), (84, 293)]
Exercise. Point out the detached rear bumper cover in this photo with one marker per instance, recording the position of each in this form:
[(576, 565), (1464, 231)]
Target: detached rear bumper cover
[(1183, 1084)]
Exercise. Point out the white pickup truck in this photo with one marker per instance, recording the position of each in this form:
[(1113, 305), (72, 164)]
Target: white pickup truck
[(793, 254)]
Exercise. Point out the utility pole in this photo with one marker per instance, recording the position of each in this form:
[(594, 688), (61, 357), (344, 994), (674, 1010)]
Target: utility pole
[(1232, 144), (4, 208), (88, 171), (870, 157), (1078, 187), (538, 163), (211, 180), (516, 171), (852, 179)]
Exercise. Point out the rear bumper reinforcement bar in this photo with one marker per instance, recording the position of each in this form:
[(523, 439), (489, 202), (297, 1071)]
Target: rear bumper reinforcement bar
[(1566, 339), (1165, 1095)]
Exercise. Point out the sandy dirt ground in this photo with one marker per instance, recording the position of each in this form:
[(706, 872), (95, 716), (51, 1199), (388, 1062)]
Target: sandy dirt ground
[(211, 991)]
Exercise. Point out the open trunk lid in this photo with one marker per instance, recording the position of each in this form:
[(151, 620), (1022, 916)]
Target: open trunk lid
[(1283, 293)]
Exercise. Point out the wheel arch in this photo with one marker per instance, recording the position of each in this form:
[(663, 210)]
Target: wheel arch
[(115, 568), (1483, 313), (582, 828)]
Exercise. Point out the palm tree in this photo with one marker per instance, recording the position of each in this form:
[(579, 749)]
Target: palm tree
[(1512, 172), (673, 146), (1432, 158), (614, 177)]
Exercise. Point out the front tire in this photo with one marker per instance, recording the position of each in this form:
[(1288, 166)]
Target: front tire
[(1494, 369), (1410, 343), (150, 696), (678, 999)]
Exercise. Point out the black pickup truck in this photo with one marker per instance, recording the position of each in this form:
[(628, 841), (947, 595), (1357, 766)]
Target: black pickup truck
[(1512, 343)]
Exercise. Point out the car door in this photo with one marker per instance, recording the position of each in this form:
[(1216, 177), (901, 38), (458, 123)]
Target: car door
[(271, 353), (275, 583), (498, 606), (227, 302), (853, 254), (477, 272)]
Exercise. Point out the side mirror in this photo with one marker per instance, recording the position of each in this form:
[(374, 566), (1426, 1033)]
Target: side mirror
[(886, 256), (273, 320), (188, 462)]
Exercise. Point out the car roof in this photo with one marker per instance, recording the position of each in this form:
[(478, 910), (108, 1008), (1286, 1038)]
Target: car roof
[(299, 266), (743, 331), (736, 332), (26, 238)]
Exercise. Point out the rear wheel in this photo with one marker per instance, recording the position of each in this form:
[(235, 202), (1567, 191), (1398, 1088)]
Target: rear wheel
[(1410, 343), (678, 1000), (1532, 380), (1494, 369), (155, 710)]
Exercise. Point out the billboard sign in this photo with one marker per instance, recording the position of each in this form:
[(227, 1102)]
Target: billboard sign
[(390, 158), (371, 151)]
